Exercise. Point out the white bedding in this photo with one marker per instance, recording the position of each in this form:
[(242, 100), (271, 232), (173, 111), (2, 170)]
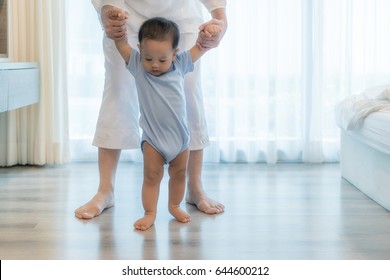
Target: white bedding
[(351, 112), (366, 116)]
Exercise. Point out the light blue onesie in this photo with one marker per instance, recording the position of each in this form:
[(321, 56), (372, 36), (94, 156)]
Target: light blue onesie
[(162, 105)]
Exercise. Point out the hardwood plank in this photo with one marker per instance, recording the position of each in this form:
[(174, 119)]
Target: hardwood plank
[(282, 211)]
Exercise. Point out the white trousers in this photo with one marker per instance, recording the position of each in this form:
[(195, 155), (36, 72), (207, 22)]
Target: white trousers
[(117, 126)]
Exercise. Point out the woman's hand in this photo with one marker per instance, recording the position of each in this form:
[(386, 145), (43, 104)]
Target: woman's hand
[(208, 40), (114, 22)]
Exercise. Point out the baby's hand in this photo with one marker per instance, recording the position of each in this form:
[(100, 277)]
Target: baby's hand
[(211, 30), (118, 15)]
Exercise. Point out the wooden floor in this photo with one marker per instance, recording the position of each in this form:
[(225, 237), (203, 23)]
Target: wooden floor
[(273, 212)]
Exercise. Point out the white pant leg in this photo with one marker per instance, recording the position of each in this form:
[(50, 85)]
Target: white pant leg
[(199, 138), (117, 126)]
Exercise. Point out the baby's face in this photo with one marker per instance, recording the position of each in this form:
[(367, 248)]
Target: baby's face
[(157, 56)]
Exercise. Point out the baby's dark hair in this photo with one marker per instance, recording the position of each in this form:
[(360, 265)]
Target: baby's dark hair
[(160, 29)]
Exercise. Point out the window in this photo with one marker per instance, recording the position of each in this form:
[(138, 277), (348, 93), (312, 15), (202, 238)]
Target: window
[(271, 86)]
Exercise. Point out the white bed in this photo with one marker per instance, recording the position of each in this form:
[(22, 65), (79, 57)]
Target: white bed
[(364, 121)]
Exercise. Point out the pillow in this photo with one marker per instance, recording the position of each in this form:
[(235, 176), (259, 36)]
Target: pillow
[(375, 93), (385, 95)]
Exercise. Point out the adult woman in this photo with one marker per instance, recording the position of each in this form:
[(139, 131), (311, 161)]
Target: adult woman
[(117, 126)]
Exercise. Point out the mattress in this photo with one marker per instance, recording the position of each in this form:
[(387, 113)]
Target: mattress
[(366, 117), (375, 131)]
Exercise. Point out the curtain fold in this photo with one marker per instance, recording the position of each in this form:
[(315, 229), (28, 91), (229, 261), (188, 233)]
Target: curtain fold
[(38, 134), (270, 88), (281, 69)]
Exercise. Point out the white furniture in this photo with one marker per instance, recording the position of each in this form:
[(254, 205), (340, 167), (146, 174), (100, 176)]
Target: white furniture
[(364, 121), (366, 168), (19, 85)]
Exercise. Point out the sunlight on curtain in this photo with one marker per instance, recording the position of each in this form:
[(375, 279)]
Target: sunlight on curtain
[(85, 76), (271, 86), (38, 134)]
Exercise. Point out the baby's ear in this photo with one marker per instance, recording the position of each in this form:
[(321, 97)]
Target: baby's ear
[(175, 52)]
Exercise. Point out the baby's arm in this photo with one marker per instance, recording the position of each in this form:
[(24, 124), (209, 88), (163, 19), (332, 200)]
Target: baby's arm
[(124, 48), (121, 42), (197, 51)]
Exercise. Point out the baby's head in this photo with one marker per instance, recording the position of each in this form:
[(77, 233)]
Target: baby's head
[(158, 41)]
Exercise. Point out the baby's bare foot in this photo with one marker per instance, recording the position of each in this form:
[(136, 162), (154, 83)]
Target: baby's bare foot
[(179, 214), (145, 222), (95, 206)]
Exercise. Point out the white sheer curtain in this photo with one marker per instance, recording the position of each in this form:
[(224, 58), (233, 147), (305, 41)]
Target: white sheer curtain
[(271, 86), (38, 134)]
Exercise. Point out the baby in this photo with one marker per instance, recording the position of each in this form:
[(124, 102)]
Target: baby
[(159, 68)]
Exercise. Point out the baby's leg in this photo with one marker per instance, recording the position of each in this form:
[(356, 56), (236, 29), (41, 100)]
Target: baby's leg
[(153, 174), (177, 181)]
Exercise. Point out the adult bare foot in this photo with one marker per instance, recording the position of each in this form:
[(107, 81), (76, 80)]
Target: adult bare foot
[(204, 203), (145, 222), (195, 194), (95, 206)]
